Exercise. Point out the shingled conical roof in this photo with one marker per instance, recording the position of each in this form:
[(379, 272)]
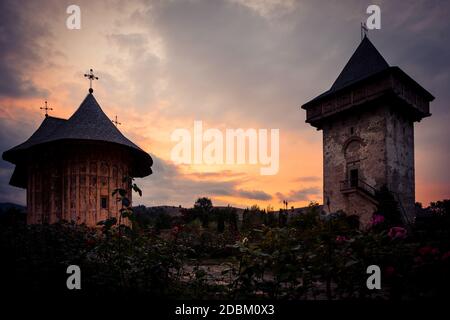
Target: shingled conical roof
[(88, 123), (41, 135)]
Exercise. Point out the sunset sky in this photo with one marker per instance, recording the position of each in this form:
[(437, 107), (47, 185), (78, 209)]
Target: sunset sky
[(231, 64)]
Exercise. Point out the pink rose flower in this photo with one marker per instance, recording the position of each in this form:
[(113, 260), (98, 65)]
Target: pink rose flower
[(377, 219), (425, 250), (435, 251), (428, 252), (397, 233), (341, 239)]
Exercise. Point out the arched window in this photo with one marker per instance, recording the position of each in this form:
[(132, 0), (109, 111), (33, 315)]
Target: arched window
[(352, 149)]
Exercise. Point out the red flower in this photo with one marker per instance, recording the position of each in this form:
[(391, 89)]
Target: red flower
[(377, 219), (435, 251), (428, 252), (397, 233), (425, 250), (341, 239)]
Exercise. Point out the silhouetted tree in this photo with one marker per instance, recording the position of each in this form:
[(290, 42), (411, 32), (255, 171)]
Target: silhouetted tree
[(441, 208), (232, 218), (163, 221), (246, 224), (203, 208), (282, 218), (12, 216)]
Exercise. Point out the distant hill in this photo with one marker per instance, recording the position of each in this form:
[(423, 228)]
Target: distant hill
[(175, 211), (172, 211), (6, 206), (11, 213)]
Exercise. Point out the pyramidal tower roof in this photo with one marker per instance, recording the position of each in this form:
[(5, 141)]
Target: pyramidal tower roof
[(365, 61), (368, 77)]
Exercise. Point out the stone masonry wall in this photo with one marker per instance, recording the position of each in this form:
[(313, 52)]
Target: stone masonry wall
[(400, 159), (377, 141), (364, 149)]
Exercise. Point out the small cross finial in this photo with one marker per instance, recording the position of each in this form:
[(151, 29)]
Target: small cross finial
[(116, 122), (91, 77), (364, 30), (46, 108)]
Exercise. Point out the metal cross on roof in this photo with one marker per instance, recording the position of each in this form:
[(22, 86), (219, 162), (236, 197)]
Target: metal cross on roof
[(116, 122), (91, 77), (46, 108), (364, 30)]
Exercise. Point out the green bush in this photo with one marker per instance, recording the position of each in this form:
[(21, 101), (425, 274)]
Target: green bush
[(313, 257)]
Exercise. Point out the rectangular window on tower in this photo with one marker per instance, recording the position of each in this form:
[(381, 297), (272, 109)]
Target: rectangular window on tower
[(104, 202), (354, 178)]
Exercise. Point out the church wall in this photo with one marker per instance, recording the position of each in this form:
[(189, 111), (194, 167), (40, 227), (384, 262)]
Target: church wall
[(71, 186)]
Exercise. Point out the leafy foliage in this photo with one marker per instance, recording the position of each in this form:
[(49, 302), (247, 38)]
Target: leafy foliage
[(307, 256)]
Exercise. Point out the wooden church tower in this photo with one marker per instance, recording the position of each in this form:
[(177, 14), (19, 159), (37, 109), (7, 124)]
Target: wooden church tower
[(367, 118), (71, 167)]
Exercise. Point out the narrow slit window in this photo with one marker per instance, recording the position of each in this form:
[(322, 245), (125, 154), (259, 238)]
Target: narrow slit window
[(104, 202)]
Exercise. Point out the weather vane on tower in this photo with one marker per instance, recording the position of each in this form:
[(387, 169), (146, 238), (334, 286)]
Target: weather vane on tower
[(91, 77), (364, 30)]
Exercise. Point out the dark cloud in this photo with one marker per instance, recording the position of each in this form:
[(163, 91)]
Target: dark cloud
[(299, 195), (11, 134), (168, 185), (141, 65), (307, 179), (416, 37), (225, 59), (19, 49), (218, 175), (253, 194)]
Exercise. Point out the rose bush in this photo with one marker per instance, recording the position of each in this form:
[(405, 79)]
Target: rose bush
[(312, 257)]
